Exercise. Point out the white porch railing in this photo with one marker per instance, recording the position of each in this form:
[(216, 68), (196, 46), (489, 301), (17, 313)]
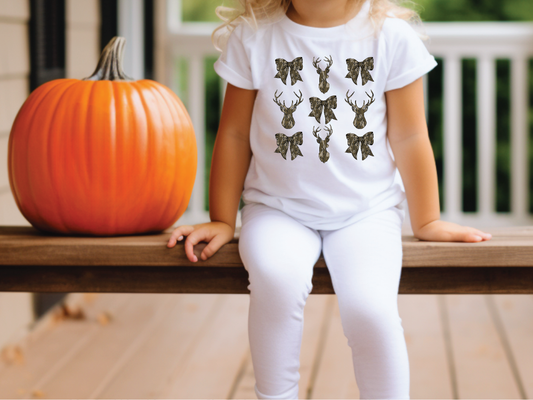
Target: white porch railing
[(450, 41)]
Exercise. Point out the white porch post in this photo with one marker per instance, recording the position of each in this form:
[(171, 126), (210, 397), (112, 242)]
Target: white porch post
[(131, 26)]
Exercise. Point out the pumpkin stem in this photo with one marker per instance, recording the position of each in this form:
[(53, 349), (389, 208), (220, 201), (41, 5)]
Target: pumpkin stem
[(109, 66)]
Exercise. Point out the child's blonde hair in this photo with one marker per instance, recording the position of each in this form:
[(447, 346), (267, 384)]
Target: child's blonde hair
[(254, 12)]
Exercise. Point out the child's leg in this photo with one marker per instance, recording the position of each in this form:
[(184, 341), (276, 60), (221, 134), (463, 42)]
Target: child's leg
[(365, 260), (279, 254)]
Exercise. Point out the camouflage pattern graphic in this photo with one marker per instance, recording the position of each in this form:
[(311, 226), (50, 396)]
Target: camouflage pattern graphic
[(365, 141), (318, 105), (360, 121), (284, 142), (323, 84), (288, 121), (355, 67), (323, 154), (294, 66)]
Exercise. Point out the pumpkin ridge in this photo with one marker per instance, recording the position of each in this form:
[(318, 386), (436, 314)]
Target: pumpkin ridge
[(29, 107), (124, 119), (112, 143), (176, 174), (135, 99), (153, 138), (145, 160), (82, 173), (75, 177), (31, 130), (174, 96), (117, 189), (193, 158), (97, 150), (58, 108), (184, 194), (86, 140)]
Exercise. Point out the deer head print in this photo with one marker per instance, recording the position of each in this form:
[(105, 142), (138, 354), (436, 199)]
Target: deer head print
[(323, 84), (360, 121), (323, 154), (288, 121), (355, 66), (294, 66)]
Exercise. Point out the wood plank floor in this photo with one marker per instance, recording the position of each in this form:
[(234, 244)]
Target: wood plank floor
[(192, 346)]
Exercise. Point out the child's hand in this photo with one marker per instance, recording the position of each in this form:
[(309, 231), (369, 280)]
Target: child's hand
[(216, 233), (442, 231)]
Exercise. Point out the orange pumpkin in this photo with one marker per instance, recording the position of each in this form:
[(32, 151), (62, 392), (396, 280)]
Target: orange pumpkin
[(104, 155)]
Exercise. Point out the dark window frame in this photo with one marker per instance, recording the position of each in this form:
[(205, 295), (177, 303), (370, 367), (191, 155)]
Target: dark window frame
[(109, 29), (47, 41)]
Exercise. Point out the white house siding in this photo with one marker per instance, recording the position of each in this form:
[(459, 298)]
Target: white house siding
[(14, 70), (82, 21), (15, 308)]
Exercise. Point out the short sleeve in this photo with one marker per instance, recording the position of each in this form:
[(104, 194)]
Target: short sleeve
[(409, 59), (233, 65)]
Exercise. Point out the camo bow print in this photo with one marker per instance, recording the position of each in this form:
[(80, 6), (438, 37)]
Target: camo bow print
[(327, 105), (284, 142), (365, 141), (294, 66), (354, 67)]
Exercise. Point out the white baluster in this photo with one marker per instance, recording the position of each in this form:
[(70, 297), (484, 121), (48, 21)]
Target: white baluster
[(486, 135), (519, 133), (174, 15), (196, 95), (452, 138), (131, 26)]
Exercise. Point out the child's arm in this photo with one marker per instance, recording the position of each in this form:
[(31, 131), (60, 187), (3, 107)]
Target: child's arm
[(231, 155), (229, 165), (409, 140)]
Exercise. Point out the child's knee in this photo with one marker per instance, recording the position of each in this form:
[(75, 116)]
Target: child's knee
[(369, 317), (279, 283)]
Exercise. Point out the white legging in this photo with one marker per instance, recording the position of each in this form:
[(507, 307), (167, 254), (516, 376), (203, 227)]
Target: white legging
[(364, 260)]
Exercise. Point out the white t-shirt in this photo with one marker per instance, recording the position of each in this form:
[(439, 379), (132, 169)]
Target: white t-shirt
[(319, 124)]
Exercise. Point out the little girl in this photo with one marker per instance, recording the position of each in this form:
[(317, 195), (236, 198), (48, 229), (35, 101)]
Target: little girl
[(323, 126)]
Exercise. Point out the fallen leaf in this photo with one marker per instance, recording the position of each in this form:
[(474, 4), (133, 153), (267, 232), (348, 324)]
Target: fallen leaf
[(89, 297), (37, 393), (12, 354), (104, 318), (66, 311)]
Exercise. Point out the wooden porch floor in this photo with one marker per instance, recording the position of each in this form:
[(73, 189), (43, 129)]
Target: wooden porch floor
[(196, 346)]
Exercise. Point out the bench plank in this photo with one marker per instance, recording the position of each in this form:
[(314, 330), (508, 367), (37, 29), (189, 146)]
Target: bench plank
[(96, 264), (511, 246)]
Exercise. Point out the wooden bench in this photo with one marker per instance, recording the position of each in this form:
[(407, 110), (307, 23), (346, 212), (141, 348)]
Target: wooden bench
[(32, 261)]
